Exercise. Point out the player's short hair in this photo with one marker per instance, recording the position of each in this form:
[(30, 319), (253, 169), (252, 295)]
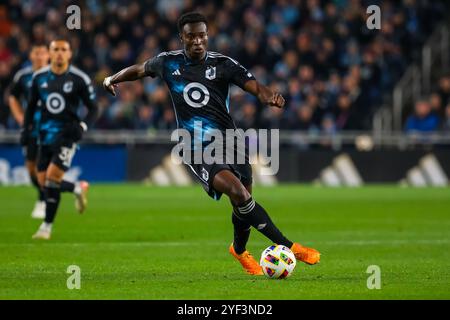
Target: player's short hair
[(190, 17), (35, 45), (61, 39)]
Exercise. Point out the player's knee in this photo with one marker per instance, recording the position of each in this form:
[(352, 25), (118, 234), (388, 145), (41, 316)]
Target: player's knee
[(41, 179), (54, 174), (239, 194), (31, 167)]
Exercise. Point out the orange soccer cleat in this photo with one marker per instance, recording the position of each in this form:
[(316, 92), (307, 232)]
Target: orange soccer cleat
[(307, 255), (249, 263)]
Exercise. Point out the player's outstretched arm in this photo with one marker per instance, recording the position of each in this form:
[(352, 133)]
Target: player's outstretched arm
[(264, 94), (131, 73)]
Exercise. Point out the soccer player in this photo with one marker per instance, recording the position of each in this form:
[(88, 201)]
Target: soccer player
[(19, 94), (56, 92), (198, 81)]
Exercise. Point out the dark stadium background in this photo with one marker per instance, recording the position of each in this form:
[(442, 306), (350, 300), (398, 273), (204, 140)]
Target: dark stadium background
[(349, 90)]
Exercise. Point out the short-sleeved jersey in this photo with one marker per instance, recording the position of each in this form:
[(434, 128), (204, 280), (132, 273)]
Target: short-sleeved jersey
[(58, 98), (200, 90), (20, 89)]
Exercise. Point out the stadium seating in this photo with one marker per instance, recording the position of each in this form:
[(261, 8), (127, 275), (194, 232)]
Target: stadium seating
[(333, 71)]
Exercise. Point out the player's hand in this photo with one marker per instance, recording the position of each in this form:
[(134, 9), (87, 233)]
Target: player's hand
[(109, 86), (78, 130), (24, 137), (277, 100)]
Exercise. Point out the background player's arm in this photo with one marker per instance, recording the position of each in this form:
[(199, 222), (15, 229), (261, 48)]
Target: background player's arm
[(16, 109), (264, 94), (131, 73), (88, 97), (14, 101), (31, 107), (29, 113)]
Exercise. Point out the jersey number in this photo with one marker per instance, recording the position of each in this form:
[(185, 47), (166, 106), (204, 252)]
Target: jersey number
[(66, 155)]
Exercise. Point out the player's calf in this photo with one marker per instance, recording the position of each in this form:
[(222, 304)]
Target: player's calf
[(52, 199), (255, 215)]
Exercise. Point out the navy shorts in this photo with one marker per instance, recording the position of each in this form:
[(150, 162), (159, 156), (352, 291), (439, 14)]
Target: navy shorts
[(30, 151), (61, 156), (205, 174)]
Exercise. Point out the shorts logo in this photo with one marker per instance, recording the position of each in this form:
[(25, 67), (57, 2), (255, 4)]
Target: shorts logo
[(210, 73), (67, 87), (55, 103), (205, 174), (196, 95)]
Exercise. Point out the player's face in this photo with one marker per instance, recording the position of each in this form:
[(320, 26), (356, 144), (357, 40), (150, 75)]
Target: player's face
[(60, 53), (195, 39), (39, 57)]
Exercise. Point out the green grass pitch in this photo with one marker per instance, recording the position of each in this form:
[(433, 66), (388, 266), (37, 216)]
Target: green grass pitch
[(137, 242)]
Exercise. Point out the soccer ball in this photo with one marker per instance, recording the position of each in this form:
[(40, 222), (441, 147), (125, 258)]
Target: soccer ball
[(277, 262)]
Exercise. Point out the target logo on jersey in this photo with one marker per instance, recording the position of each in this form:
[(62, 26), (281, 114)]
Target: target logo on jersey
[(196, 95), (55, 103)]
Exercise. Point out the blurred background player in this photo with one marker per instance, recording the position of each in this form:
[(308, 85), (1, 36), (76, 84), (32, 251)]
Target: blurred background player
[(199, 82), (56, 91), (19, 95)]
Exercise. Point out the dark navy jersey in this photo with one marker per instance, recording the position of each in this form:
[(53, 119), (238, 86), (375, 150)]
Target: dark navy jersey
[(58, 98), (200, 90), (20, 89)]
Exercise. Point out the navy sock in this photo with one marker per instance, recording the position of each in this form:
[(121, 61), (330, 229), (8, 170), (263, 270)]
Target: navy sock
[(241, 233), (53, 197), (255, 215), (67, 186), (41, 193)]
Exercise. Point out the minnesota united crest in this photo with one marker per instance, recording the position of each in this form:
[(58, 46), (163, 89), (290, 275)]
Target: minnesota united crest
[(210, 73)]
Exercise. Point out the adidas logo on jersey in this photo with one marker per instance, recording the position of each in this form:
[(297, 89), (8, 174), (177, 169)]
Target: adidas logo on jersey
[(176, 72)]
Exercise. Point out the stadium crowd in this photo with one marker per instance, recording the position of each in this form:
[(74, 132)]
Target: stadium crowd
[(432, 113), (333, 71)]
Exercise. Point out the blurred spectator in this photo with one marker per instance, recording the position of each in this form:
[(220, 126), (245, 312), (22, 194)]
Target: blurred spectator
[(145, 118), (446, 122), (328, 126), (303, 119), (168, 121), (345, 114), (444, 89), (423, 119), (245, 118), (436, 104)]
